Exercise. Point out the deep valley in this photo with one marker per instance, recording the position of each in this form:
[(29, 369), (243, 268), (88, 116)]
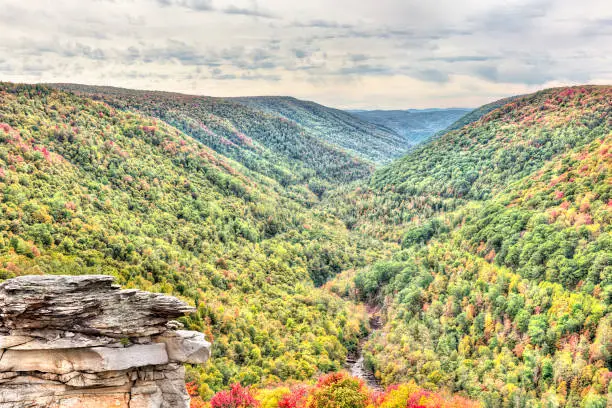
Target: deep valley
[(468, 264)]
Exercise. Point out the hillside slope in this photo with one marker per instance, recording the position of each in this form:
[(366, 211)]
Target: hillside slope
[(476, 161), (90, 189), (554, 225), (504, 145), (514, 305), (414, 125), (504, 287), (264, 142), (478, 113), (340, 128)]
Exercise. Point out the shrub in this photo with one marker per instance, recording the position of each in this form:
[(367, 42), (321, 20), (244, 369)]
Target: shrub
[(295, 399), (338, 390), (270, 398), (236, 397)]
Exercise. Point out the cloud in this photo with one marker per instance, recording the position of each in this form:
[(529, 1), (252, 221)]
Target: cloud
[(343, 52), (196, 5), (359, 57), (175, 51), (217, 73), (300, 53), (366, 69), (430, 75), (172, 51), (463, 58), (260, 77), (511, 17), (80, 50), (254, 12), (320, 23), (598, 28), (207, 5), (531, 71)]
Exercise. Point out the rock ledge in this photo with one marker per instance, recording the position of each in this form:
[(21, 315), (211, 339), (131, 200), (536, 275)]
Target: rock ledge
[(81, 341)]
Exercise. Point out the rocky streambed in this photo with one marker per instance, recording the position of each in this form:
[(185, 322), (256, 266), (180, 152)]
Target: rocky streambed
[(355, 362)]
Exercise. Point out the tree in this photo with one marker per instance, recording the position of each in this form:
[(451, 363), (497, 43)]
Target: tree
[(236, 397), (338, 390)]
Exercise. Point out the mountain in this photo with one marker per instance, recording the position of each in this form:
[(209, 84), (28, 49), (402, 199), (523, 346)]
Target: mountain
[(265, 143), (518, 295), (554, 224), (90, 189), (480, 258), (414, 125), (503, 287), (502, 146), (477, 113), (351, 132), (476, 161)]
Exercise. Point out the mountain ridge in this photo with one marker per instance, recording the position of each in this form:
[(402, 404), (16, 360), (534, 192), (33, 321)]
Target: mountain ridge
[(309, 114), (389, 141)]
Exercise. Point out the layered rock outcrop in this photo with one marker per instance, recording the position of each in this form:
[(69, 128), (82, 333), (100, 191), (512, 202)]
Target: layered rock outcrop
[(81, 341)]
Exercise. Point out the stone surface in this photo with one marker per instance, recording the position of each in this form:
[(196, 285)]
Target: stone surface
[(146, 396), (55, 339), (186, 346), (12, 341), (95, 359), (89, 304), (81, 341), (96, 401)]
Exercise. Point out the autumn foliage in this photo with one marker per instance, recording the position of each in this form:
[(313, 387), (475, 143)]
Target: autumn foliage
[(426, 399), (295, 399), (236, 397), (196, 400), (340, 390)]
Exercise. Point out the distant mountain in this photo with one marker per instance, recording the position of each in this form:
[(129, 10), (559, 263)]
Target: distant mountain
[(263, 140), (369, 140), (413, 125), (503, 145), (476, 161)]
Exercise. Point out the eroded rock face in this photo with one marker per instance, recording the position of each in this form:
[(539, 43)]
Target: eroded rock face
[(81, 341), (186, 346), (89, 304)]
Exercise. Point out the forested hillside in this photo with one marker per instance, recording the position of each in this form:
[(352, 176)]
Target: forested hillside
[(504, 286), (310, 145), (478, 113), (414, 125), (88, 189), (476, 161), (502, 146), (486, 252), (349, 131)]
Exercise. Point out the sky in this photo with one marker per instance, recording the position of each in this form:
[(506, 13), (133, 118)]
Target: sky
[(352, 54)]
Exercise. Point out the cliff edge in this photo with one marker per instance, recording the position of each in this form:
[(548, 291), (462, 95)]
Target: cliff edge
[(81, 341)]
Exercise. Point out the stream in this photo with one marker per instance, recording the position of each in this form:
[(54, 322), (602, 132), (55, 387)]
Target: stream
[(355, 362)]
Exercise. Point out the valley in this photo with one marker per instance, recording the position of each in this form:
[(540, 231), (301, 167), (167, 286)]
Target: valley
[(356, 360), (414, 125), (471, 266)]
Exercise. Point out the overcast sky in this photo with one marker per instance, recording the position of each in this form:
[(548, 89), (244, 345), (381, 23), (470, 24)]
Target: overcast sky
[(343, 53)]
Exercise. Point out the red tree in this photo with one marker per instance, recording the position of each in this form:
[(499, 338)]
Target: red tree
[(236, 397)]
